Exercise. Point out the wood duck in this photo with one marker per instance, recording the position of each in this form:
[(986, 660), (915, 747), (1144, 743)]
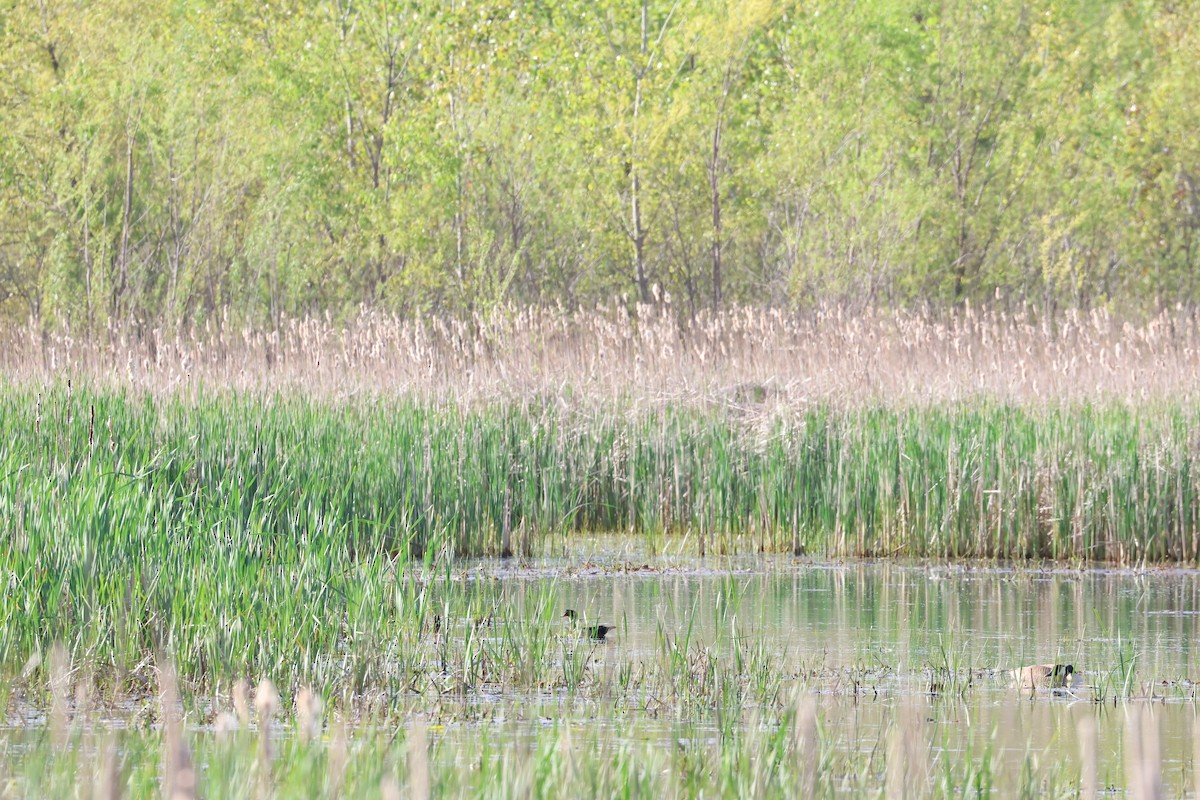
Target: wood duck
[(594, 632)]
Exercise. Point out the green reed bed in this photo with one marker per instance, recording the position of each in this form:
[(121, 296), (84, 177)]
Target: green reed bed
[(102, 475), (319, 542)]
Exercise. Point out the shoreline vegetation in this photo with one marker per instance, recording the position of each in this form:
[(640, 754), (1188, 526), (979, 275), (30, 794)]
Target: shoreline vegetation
[(240, 506), (978, 436), (320, 320)]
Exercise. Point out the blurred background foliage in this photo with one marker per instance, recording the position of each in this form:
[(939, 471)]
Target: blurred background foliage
[(176, 163)]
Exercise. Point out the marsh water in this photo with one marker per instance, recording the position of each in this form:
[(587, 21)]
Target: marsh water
[(911, 651), (923, 648)]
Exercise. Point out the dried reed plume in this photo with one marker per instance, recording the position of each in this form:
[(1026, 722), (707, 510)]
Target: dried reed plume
[(241, 701), (418, 760), (389, 788), (1143, 760), (308, 715), (179, 773), (225, 725), (806, 744), (907, 756), (266, 704), (1088, 760), (338, 758), (741, 356), (60, 687), (108, 777)]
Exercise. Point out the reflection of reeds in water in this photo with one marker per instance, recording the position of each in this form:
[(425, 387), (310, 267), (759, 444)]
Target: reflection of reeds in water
[(718, 675)]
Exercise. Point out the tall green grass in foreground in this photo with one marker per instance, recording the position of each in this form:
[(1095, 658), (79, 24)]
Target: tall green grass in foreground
[(783, 755)]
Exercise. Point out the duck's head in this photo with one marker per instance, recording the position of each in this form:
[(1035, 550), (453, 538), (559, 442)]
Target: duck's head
[(570, 614)]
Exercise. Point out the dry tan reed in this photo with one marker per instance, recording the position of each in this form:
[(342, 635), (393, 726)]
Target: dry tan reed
[(418, 760), (266, 705), (1143, 759), (389, 788), (338, 757), (108, 777), (1088, 759), (308, 714), (1196, 755), (741, 356), (241, 701), (60, 686), (907, 756), (806, 744), (179, 773)]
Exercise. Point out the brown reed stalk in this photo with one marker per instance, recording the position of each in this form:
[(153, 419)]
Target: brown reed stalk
[(418, 760), (241, 701), (1143, 760), (338, 756), (266, 704), (108, 784), (308, 715), (60, 687), (806, 744), (1089, 767), (907, 768), (179, 773)]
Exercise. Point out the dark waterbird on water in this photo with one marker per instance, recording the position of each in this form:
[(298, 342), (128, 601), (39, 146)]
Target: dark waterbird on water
[(593, 632)]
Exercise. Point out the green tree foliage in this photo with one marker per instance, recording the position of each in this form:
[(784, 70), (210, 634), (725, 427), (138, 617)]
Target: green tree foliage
[(171, 163)]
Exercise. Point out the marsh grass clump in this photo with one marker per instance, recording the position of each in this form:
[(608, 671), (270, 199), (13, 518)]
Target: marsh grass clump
[(250, 480)]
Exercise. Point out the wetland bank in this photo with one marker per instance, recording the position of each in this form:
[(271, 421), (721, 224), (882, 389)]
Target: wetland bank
[(250, 587)]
